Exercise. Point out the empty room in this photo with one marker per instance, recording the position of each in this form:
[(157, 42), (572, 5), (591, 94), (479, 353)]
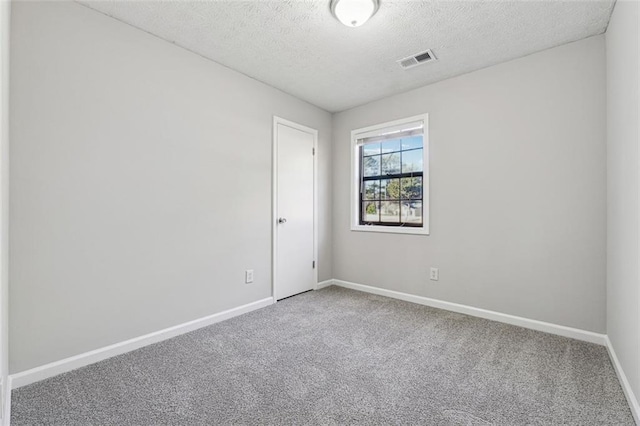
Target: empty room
[(319, 212)]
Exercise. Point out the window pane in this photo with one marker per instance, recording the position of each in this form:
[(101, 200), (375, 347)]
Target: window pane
[(390, 163), (391, 146), (371, 190), (412, 142), (371, 149), (371, 211), (372, 166), (390, 189), (411, 211), (390, 211), (412, 161), (411, 187)]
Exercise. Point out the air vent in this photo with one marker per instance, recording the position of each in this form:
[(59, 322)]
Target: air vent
[(417, 59)]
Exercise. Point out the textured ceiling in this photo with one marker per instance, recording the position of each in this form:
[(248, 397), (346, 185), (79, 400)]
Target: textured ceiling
[(297, 46)]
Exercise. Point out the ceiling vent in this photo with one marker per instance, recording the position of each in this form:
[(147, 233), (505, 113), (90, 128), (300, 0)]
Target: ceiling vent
[(417, 59)]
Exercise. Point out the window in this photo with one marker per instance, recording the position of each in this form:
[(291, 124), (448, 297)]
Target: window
[(391, 177)]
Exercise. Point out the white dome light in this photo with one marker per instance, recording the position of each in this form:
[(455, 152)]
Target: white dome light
[(353, 13)]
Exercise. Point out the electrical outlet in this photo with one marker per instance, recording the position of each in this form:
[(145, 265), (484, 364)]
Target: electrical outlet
[(434, 274), (248, 276)]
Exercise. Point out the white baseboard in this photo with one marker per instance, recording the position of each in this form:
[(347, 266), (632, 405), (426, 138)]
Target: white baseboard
[(6, 414), (49, 370), (323, 284), (58, 367), (624, 382), (560, 330)]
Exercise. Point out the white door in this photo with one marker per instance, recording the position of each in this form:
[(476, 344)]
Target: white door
[(294, 269)]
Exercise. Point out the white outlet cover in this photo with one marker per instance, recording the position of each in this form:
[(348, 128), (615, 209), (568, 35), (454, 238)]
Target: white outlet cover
[(248, 276), (434, 274)]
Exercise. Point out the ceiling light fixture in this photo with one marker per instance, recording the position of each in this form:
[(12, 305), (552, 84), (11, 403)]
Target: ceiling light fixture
[(354, 13)]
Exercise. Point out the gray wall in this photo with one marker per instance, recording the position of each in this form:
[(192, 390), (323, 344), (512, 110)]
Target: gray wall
[(623, 285), (517, 190), (141, 183)]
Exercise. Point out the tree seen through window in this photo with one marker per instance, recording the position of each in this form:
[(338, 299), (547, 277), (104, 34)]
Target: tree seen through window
[(392, 182)]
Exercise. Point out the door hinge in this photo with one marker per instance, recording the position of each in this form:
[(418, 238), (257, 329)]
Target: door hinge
[(313, 151), (313, 264)]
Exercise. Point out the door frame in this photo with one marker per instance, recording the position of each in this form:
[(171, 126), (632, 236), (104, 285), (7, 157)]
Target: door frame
[(5, 381), (274, 200)]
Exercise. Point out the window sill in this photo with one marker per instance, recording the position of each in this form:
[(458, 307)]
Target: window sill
[(390, 229)]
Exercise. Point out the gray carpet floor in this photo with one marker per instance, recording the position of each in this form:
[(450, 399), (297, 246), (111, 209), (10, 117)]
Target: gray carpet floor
[(338, 356)]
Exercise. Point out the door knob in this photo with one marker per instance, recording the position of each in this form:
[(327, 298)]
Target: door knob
[(282, 220)]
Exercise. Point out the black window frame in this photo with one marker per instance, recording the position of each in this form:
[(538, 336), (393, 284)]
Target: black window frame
[(362, 179)]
